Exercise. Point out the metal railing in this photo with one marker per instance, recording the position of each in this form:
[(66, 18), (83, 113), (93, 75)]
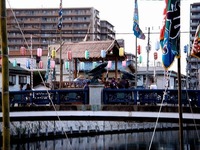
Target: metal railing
[(109, 96)]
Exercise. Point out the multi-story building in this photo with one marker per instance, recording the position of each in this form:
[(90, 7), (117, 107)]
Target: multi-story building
[(38, 27), (107, 30), (193, 64)]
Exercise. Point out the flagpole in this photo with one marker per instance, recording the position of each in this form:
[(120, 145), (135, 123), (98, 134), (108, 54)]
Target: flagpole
[(180, 105), (136, 62), (148, 48), (5, 78)]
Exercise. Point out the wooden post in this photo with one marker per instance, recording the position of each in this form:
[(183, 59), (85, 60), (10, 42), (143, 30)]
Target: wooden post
[(116, 68), (180, 105), (136, 62), (5, 78)]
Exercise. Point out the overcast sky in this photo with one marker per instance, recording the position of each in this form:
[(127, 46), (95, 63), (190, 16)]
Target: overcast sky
[(120, 14)]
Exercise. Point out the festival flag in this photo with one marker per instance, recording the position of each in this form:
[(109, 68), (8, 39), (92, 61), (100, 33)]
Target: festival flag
[(170, 33), (136, 29), (196, 44)]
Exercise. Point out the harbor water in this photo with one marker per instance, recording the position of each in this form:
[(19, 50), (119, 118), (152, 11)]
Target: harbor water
[(162, 140)]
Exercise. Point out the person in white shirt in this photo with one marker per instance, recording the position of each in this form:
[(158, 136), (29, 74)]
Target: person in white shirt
[(153, 84)]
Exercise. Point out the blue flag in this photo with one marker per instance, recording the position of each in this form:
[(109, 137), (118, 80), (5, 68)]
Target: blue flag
[(170, 33), (136, 29)]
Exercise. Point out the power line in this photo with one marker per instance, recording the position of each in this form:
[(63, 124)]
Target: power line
[(102, 33)]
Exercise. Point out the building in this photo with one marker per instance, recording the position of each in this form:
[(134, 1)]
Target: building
[(17, 76), (38, 27), (107, 30), (162, 79), (193, 64)]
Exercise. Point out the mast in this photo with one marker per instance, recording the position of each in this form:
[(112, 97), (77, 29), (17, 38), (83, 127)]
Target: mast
[(180, 105), (60, 30), (5, 78), (136, 62)]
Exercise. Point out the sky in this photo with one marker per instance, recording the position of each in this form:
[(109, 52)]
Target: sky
[(120, 14)]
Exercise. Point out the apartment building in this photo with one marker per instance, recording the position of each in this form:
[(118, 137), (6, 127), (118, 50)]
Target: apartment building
[(193, 64), (38, 27)]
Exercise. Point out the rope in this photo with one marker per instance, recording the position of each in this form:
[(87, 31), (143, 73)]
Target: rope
[(191, 111), (164, 94), (29, 48)]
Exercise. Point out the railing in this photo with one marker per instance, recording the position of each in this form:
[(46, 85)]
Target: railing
[(43, 97), (109, 96), (146, 96)]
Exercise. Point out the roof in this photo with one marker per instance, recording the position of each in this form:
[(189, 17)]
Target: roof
[(78, 50), (17, 69), (94, 47)]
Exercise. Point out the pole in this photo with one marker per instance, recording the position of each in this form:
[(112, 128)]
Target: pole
[(61, 63), (136, 62), (148, 48), (31, 62), (180, 105), (154, 73), (60, 30), (5, 78)]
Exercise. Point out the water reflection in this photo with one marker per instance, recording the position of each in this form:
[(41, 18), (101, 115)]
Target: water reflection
[(165, 140)]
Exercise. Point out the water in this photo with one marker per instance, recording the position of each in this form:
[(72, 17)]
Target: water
[(165, 140)]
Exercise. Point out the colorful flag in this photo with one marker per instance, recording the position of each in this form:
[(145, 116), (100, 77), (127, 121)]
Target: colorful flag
[(137, 31), (170, 33), (196, 44)]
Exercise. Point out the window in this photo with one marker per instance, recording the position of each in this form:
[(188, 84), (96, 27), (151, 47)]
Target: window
[(12, 80), (22, 79)]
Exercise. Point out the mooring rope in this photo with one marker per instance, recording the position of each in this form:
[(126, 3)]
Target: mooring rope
[(192, 112), (49, 95), (164, 94)]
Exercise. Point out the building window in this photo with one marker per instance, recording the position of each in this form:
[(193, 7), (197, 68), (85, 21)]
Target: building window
[(22, 79), (12, 80)]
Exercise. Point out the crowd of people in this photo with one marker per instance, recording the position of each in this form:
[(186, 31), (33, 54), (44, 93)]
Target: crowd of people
[(28, 87), (120, 84)]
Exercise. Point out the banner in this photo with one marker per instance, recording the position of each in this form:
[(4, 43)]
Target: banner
[(136, 29), (170, 33), (196, 44)]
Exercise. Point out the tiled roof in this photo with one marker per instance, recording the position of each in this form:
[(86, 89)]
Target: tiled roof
[(78, 50), (16, 69), (94, 47)]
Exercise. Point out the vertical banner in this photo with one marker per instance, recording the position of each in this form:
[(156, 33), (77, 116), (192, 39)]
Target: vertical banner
[(196, 44), (136, 29), (170, 33)]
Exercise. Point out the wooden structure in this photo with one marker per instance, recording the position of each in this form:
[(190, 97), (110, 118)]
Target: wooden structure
[(78, 49)]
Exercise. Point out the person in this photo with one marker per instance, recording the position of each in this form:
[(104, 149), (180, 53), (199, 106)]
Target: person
[(86, 86), (113, 84), (28, 95), (21, 87), (153, 84), (28, 87)]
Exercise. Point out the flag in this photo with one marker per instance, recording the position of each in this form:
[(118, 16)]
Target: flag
[(136, 29), (196, 44), (170, 33)]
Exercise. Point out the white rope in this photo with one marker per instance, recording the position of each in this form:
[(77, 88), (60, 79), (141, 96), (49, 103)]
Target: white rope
[(192, 112), (29, 48), (165, 92)]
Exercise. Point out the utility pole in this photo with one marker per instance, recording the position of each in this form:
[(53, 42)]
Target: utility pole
[(5, 78), (148, 48)]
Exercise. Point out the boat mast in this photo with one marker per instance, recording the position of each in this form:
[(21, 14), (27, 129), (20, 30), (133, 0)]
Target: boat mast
[(5, 77)]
